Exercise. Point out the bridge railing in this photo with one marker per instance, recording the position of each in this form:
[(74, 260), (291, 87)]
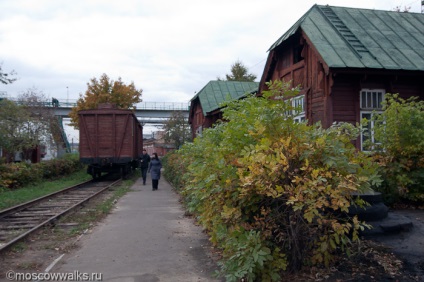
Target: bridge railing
[(168, 106)]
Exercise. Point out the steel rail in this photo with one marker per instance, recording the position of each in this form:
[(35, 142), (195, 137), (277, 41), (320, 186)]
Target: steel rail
[(25, 205), (52, 218)]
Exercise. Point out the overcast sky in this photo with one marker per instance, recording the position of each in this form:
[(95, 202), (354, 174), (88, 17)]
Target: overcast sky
[(170, 49)]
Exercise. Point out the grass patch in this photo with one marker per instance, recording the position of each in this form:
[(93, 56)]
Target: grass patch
[(11, 198)]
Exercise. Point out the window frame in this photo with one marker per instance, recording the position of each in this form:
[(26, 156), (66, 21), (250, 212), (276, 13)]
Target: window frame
[(371, 106), (299, 101)]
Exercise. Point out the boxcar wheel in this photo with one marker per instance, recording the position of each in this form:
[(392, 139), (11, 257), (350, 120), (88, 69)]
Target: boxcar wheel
[(95, 172)]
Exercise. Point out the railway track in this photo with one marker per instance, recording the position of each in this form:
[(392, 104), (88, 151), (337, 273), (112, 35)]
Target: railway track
[(19, 221)]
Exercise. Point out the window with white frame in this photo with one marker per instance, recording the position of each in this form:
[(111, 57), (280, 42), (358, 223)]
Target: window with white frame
[(371, 104), (297, 108), (298, 104)]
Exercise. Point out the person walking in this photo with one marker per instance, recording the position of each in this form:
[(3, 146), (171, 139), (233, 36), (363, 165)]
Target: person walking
[(144, 165), (154, 169)]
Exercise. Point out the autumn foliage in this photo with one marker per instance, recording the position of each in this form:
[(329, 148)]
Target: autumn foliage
[(105, 90), (272, 193)]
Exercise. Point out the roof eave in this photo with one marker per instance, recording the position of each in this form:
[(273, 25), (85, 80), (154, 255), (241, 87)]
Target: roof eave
[(291, 31)]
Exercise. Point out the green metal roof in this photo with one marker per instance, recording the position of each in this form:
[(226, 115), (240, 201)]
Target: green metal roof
[(215, 92), (363, 38)]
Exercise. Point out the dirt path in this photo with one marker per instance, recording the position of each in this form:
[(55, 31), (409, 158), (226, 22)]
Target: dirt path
[(408, 245)]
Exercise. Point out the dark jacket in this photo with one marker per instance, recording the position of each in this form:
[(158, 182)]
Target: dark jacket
[(144, 161), (154, 168)]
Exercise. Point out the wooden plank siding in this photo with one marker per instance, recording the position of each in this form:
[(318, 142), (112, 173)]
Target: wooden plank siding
[(196, 118), (345, 98), (408, 89), (110, 133)]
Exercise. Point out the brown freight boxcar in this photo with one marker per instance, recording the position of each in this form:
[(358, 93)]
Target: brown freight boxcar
[(111, 140)]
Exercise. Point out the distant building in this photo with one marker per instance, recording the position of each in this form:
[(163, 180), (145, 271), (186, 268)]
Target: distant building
[(34, 155), (205, 106), (157, 144)]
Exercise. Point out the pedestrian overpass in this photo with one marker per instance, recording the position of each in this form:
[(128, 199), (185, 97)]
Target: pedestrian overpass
[(150, 113), (146, 112)]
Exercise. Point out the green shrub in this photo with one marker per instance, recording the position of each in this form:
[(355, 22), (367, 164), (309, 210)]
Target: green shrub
[(271, 192), (57, 167), (16, 175), (400, 151), (252, 257), (174, 169)]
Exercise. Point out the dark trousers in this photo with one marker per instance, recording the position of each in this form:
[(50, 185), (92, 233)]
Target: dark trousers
[(144, 174), (155, 183)]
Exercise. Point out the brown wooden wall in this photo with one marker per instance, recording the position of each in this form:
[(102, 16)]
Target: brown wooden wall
[(344, 102), (196, 118), (316, 87), (345, 92), (409, 86), (110, 133), (307, 71)]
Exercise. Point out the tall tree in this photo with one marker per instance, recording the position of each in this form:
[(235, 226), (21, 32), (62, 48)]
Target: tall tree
[(177, 130), (25, 123), (5, 78), (13, 136), (105, 90), (239, 72), (43, 125)]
